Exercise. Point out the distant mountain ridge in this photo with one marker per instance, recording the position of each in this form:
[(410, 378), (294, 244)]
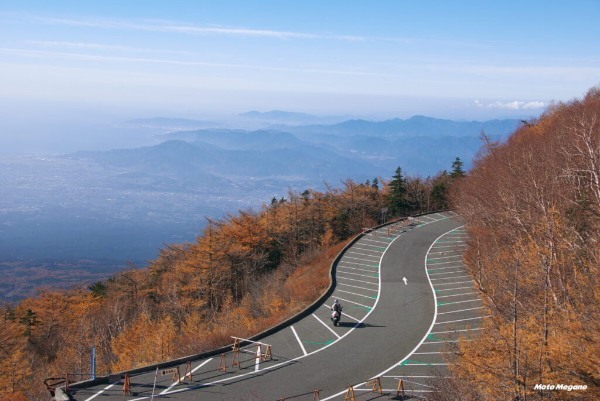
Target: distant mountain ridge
[(421, 145), (414, 126), (280, 117), (307, 125), (238, 139), (275, 114), (190, 164)]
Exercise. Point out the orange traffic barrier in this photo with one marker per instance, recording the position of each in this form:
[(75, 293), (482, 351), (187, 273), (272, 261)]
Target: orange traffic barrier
[(267, 355), (188, 372), (127, 384), (235, 359), (223, 363), (400, 388), (375, 384), (350, 394)]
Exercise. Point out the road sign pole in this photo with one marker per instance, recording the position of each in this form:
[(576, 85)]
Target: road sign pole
[(93, 363)]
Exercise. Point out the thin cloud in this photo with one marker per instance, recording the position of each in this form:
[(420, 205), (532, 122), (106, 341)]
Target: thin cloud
[(94, 57), (79, 45), (98, 46), (175, 27), (45, 54), (190, 29), (513, 105)]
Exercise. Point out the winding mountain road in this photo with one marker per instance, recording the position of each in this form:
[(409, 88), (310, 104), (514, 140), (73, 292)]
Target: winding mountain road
[(406, 296)]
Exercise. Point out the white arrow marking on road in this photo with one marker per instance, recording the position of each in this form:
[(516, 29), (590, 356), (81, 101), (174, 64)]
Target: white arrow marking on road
[(405, 280)]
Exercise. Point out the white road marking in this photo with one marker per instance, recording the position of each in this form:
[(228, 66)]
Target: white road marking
[(101, 391), (440, 263), (432, 353), (345, 262), (418, 384), (460, 310), (373, 240), (446, 341), (326, 325), (353, 258), (462, 320), (426, 364), (455, 331), (448, 278), (363, 254), (355, 286), (353, 318), (362, 275), (355, 303), (444, 273), (367, 249), (396, 377), (446, 257), (353, 293), (457, 295), (458, 282), (360, 270), (460, 302), (360, 281), (458, 288), (299, 342), (447, 267)]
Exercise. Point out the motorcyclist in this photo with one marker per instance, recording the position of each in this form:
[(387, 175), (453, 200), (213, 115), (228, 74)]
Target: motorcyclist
[(337, 312), (336, 307)]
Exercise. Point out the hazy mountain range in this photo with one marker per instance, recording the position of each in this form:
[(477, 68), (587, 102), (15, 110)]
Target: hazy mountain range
[(90, 211)]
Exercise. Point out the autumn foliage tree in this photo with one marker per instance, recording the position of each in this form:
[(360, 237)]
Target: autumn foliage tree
[(532, 207)]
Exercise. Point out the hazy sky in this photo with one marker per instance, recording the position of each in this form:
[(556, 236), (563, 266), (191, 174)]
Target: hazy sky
[(62, 60)]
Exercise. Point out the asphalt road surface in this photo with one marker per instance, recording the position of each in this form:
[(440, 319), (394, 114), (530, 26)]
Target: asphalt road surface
[(406, 299)]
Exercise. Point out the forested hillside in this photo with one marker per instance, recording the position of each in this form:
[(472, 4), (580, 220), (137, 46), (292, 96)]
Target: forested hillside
[(532, 208), (245, 273)]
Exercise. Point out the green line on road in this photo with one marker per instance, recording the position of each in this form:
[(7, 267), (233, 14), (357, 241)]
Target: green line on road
[(412, 362)]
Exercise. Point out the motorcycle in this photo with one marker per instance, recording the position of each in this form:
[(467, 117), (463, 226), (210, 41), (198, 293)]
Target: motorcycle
[(335, 317)]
